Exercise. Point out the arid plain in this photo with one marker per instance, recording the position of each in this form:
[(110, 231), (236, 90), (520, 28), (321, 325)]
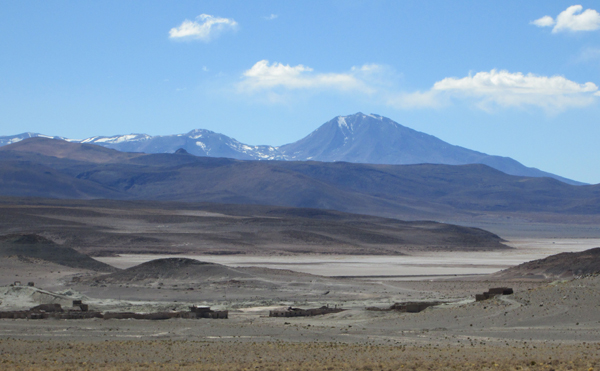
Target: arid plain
[(548, 323)]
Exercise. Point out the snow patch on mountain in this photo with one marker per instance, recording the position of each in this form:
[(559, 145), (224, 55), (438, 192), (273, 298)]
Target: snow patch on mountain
[(201, 145), (10, 139), (117, 139)]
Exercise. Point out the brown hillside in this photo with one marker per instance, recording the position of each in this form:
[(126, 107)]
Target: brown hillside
[(563, 265)]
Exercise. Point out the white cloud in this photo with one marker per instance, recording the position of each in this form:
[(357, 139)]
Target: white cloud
[(486, 90), (271, 17), (545, 21), (517, 83), (502, 89), (205, 28), (265, 76), (571, 19), (505, 89)]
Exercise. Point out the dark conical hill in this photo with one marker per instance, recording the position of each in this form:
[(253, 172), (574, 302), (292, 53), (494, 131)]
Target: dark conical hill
[(179, 269)]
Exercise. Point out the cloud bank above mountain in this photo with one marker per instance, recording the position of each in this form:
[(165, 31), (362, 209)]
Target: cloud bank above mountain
[(489, 91), (265, 76)]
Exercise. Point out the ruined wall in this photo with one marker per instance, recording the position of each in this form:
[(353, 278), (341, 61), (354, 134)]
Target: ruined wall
[(81, 314), (296, 312)]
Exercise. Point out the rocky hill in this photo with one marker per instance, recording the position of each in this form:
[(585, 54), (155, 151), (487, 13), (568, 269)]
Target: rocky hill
[(38, 247), (563, 265), (176, 269), (183, 270)]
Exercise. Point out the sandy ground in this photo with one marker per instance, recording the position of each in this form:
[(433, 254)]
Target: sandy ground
[(542, 326), (555, 326), (37, 271), (275, 356), (557, 312)]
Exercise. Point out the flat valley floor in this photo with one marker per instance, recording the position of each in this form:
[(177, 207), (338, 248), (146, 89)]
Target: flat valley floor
[(417, 265)]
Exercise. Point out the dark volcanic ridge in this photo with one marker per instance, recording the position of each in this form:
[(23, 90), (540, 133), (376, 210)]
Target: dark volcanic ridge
[(34, 246), (104, 228), (176, 269), (563, 265)]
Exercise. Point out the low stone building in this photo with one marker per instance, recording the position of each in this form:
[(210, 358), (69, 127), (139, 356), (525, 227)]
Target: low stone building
[(81, 311), (494, 292), (297, 312)]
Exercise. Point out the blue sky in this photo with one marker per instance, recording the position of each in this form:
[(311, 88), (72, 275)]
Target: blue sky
[(510, 78)]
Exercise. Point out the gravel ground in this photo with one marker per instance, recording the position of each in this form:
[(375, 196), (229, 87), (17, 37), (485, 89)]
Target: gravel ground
[(542, 326), (190, 355)]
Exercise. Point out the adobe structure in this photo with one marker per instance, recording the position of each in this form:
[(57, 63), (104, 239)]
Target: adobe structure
[(55, 311), (297, 312), (408, 307), (194, 313), (81, 311), (494, 292), (414, 307)]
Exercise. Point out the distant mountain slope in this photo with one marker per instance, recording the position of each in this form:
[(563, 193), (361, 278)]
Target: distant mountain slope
[(10, 139), (374, 139), (198, 142), (358, 138), (62, 149), (421, 191)]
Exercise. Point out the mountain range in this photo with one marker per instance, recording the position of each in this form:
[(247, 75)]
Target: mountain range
[(41, 167), (358, 138)]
